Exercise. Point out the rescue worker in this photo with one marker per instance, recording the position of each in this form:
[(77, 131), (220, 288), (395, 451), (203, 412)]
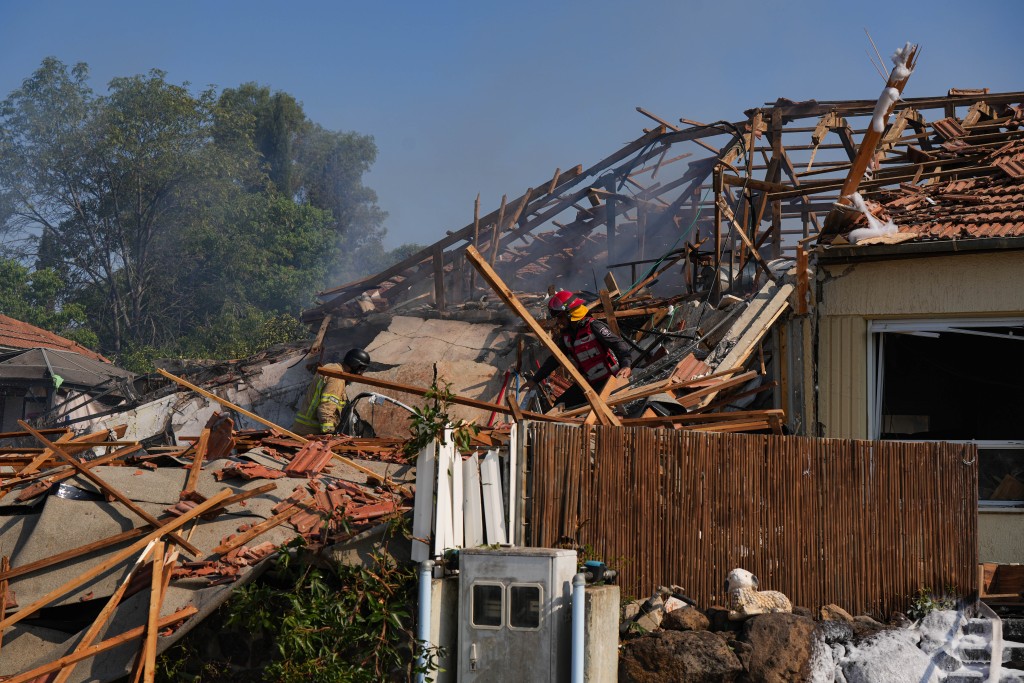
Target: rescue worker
[(321, 407), (589, 343)]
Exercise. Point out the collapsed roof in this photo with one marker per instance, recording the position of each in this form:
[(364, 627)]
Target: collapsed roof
[(947, 167)]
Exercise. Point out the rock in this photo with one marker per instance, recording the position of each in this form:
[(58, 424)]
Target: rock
[(687, 619), (937, 628), (889, 656), (679, 656), (865, 627), (832, 632), (900, 620), (718, 619), (781, 647), (631, 609), (743, 651), (834, 613)]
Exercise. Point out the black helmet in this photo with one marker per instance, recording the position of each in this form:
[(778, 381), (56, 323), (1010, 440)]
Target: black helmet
[(357, 360)]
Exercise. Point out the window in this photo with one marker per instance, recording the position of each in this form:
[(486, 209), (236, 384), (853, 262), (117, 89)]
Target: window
[(524, 606), (957, 380), (487, 605)]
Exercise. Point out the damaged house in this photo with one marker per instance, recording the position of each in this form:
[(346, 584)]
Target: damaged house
[(46, 377), (793, 283)]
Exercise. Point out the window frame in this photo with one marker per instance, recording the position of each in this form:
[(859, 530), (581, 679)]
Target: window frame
[(875, 382), (540, 606), (502, 621)]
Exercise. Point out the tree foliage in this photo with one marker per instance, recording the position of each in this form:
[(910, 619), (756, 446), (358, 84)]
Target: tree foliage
[(172, 214)]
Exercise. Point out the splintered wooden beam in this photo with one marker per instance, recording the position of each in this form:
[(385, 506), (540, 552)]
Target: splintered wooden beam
[(198, 456), (650, 390), (261, 528), (604, 414), (423, 391), (104, 616), (71, 554), (107, 488), (108, 644), (609, 312), (866, 151), (301, 439), (63, 472), (115, 559)]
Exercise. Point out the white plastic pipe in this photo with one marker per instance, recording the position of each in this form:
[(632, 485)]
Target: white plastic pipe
[(423, 621), (579, 583)]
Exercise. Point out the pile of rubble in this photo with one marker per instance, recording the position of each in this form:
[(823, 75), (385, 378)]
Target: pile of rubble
[(77, 510)]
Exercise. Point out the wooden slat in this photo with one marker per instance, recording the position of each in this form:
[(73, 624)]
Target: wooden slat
[(108, 644), (114, 559), (87, 472), (301, 439), (822, 520), (604, 413)]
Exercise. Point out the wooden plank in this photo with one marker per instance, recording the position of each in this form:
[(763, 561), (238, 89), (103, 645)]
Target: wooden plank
[(108, 489), (422, 391), (866, 151), (609, 312), (517, 411), (71, 554), (115, 559), (650, 390), (108, 644), (495, 243), (692, 399), (697, 418), (301, 439), (261, 528), (61, 473), (606, 390), (318, 343), (438, 260), (604, 413), (199, 455), (104, 616)]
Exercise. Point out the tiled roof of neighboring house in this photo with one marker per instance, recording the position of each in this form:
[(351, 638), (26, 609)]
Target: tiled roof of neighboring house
[(15, 334), (981, 206)]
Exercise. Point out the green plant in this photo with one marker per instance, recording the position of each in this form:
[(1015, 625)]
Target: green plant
[(926, 601), (430, 421), (302, 622)]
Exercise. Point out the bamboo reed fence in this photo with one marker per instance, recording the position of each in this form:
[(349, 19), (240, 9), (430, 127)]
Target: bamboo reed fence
[(861, 524)]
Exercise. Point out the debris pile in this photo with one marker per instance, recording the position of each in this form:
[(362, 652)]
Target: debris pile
[(83, 517)]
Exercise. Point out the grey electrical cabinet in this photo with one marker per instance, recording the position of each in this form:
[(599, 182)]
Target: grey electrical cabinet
[(514, 612)]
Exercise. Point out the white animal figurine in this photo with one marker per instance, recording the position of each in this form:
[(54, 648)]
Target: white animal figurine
[(746, 601)]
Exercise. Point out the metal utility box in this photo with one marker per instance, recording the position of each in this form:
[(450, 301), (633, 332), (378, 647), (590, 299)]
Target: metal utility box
[(514, 611)]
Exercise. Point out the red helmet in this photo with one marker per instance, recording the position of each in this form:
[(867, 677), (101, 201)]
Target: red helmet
[(563, 302)]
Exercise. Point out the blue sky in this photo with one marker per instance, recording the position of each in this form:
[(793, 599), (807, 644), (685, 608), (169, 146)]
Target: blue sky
[(468, 97)]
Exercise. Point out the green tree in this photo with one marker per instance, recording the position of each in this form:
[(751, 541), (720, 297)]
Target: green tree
[(34, 297), (180, 222), (107, 181)]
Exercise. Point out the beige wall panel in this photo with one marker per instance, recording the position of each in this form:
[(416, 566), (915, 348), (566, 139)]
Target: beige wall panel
[(926, 287), (842, 376), (1001, 537)]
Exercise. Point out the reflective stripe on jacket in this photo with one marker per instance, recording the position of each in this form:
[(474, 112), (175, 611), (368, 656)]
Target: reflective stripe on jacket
[(323, 402), (590, 356)]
